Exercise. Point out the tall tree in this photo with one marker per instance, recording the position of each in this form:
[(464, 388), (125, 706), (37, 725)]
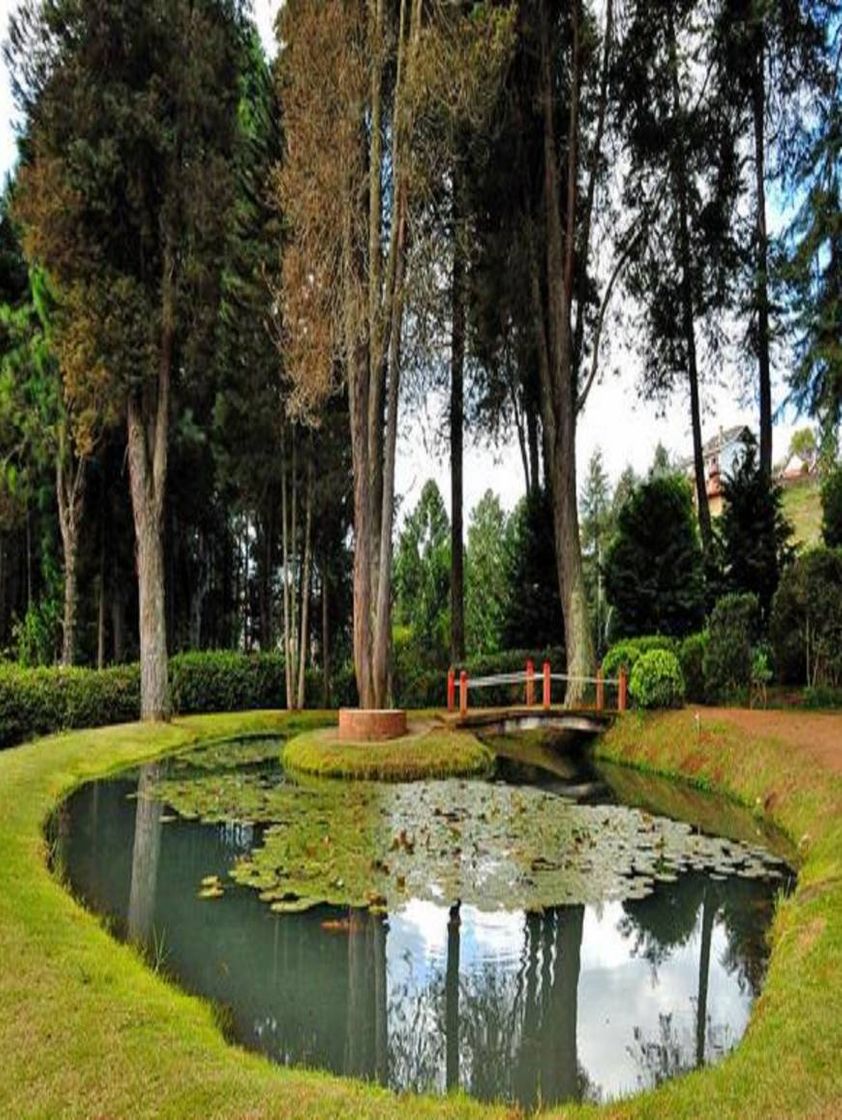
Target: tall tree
[(767, 64), (681, 191), (131, 110), (422, 572), (654, 577), (359, 84), (813, 245), (755, 534), (597, 526), (486, 565), (560, 87)]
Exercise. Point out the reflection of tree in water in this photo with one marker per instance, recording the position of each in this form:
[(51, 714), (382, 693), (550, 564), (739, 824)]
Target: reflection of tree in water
[(497, 1033), (674, 1051), (667, 920), (747, 908), (145, 852), (663, 921)]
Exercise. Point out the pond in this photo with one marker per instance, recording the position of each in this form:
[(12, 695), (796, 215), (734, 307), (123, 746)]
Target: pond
[(560, 931)]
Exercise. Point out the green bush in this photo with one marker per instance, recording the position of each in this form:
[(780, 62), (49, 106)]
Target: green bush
[(691, 656), (822, 697), (657, 680), (806, 621), (39, 701), (728, 656), (625, 653), (224, 681)]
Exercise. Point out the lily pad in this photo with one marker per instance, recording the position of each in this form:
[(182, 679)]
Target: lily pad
[(492, 845)]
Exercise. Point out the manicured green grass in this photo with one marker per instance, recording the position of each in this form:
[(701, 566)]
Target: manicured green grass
[(87, 1030), (427, 752), (802, 506)]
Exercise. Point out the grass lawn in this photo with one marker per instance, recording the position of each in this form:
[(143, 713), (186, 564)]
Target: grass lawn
[(89, 1031), (802, 506)]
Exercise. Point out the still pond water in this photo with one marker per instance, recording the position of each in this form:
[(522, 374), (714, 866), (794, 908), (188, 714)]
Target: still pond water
[(616, 990)]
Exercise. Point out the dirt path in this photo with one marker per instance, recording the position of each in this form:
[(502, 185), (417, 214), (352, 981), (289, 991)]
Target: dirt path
[(817, 735)]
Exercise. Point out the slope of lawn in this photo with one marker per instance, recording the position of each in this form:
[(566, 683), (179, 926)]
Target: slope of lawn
[(88, 1030), (802, 506)]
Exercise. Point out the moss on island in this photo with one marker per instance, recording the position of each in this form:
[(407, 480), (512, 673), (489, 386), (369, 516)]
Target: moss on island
[(428, 751)]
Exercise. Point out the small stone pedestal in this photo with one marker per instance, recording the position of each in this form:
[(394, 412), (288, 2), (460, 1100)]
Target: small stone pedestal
[(371, 725)]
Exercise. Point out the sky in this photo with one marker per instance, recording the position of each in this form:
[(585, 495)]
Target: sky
[(626, 429)]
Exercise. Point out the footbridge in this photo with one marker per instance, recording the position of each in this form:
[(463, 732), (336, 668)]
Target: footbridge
[(509, 701)]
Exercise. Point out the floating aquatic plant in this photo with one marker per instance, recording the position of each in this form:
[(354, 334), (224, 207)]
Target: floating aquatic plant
[(492, 845)]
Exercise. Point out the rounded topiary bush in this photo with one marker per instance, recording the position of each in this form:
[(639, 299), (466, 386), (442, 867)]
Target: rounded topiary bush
[(625, 653), (657, 680)]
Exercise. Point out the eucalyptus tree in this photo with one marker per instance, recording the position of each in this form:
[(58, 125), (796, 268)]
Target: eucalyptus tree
[(131, 110), (359, 83)]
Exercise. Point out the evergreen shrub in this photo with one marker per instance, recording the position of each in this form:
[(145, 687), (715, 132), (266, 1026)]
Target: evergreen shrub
[(657, 680)]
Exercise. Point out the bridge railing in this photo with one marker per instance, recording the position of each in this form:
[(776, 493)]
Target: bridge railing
[(526, 685)]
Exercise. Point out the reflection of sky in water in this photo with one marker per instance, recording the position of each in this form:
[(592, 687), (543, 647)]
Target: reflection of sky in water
[(620, 996)]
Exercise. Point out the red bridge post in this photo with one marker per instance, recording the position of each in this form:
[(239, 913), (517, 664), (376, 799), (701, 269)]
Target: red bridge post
[(622, 692), (530, 683), (600, 690), (451, 690), (463, 693), (547, 684)]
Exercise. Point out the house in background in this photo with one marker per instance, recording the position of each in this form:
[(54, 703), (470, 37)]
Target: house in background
[(721, 454)]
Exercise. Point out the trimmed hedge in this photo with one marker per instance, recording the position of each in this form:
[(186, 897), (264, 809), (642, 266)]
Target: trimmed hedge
[(225, 681), (36, 702)]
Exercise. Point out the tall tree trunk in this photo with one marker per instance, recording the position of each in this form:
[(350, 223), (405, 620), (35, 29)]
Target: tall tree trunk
[(148, 424), (762, 262), (326, 700), (358, 402), (101, 593), (285, 547), (555, 351), (679, 171), (118, 619), (533, 442), (305, 587), (293, 583), (28, 559), (70, 488), (457, 408), (382, 636)]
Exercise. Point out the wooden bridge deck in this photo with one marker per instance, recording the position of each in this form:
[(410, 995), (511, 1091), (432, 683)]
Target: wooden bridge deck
[(588, 721)]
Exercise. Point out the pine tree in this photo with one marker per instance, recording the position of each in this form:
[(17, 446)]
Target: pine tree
[(755, 534)]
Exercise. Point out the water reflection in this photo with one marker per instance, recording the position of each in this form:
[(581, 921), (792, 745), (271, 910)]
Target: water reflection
[(574, 1003)]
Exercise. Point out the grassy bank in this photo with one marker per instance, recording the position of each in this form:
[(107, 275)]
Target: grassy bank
[(86, 1029), (427, 752)]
